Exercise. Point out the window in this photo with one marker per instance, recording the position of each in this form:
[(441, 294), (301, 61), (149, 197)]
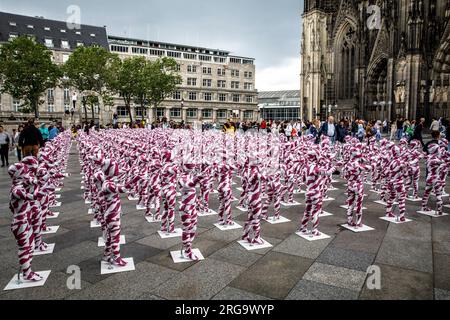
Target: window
[(234, 73), (222, 97), (204, 58), (66, 106), (122, 112), (248, 115), (246, 61), (63, 31), (50, 94), (248, 86), (178, 68), (175, 113), (160, 113), (158, 53), (236, 98), (192, 82), (16, 105), (221, 72), (207, 96), (176, 95), (220, 59), (207, 114), (249, 99), (119, 48), (66, 94), (174, 54), (207, 83), (192, 69), (12, 24), (49, 42), (139, 50), (47, 28), (141, 112), (192, 96), (235, 60), (80, 43), (30, 26), (65, 44), (50, 107), (234, 84), (191, 113), (206, 70), (221, 114), (190, 56), (248, 74), (221, 84)]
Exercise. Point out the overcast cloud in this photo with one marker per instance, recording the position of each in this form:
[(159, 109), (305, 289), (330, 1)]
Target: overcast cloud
[(268, 31)]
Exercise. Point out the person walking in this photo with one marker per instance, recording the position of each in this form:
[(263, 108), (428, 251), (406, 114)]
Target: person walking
[(53, 133), (16, 143), (30, 140), (393, 130), (5, 141), (434, 125), (417, 134), (329, 129), (45, 133)]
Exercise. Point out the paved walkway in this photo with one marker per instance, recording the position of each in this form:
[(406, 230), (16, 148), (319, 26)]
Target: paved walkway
[(414, 258)]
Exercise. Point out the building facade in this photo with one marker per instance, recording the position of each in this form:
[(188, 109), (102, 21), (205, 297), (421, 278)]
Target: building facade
[(375, 59), (61, 40), (216, 85), (279, 105)]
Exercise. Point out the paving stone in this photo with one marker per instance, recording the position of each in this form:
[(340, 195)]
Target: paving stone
[(298, 246), (202, 281), (310, 290), (410, 231), (440, 294), (127, 285), (349, 259), (336, 276), (442, 271), (234, 253), (401, 284), (273, 276), (367, 242), (409, 254)]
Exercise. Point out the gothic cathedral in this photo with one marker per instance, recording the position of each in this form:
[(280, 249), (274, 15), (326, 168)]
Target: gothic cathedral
[(376, 59)]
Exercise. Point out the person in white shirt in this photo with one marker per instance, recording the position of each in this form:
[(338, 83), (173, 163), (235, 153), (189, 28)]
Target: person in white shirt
[(288, 131), (434, 125)]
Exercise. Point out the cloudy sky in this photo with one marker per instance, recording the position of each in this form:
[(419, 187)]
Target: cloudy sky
[(267, 30)]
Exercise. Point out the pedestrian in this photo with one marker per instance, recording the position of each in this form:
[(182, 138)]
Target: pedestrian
[(5, 142), (45, 132), (393, 130), (53, 133), (400, 122), (16, 143), (30, 140), (329, 130), (434, 125), (417, 134)]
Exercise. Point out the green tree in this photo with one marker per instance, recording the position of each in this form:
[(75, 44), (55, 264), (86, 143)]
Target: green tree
[(27, 71), (163, 79), (89, 70)]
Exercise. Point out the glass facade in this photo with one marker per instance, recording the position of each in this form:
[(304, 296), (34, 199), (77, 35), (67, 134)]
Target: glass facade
[(280, 114)]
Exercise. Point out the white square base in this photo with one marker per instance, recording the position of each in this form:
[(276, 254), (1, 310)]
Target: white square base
[(176, 234), (58, 196), (364, 228), (178, 194), (87, 202), (51, 230), (325, 214), (233, 183), (206, 214), (413, 199), (95, 224), (346, 207), (394, 220), (251, 247), (227, 227), (58, 189), (310, 238), (240, 189), (82, 182), (432, 214), (50, 248), (215, 191), (152, 220), (334, 181), (272, 220), (242, 209), (140, 208), (333, 189), (447, 206), (54, 216), (177, 258), (133, 198), (293, 204), (328, 199), (56, 205), (104, 267), (12, 285), (101, 241), (82, 188)]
